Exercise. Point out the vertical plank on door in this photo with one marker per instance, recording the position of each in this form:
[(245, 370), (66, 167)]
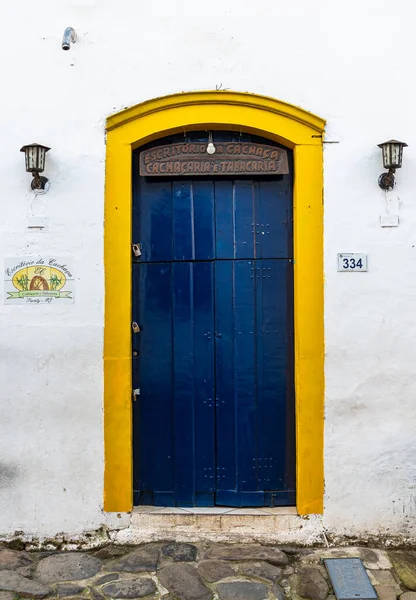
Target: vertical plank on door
[(274, 219), (153, 220), (237, 414), (244, 219), (273, 370), (245, 393), (183, 382), (193, 383), (203, 219), (204, 400), (183, 229), (224, 373), (152, 285), (224, 219)]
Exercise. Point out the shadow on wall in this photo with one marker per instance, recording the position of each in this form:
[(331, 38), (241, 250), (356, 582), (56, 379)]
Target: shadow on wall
[(7, 475)]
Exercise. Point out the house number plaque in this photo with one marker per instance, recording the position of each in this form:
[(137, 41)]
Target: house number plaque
[(230, 158), (352, 262)]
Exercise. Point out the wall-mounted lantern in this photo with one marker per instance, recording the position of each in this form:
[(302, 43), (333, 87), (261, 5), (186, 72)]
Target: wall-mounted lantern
[(35, 155), (392, 159)]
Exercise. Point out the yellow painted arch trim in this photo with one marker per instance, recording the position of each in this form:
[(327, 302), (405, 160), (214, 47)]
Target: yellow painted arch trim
[(240, 99), (273, 119)]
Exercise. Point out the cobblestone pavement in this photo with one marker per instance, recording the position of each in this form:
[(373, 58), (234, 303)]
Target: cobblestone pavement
[(203, 571)]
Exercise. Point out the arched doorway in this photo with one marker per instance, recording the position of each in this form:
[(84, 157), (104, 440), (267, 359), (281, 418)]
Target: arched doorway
[(248, 114)]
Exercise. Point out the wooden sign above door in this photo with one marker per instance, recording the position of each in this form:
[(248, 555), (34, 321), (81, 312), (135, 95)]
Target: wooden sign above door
[(230, 158)]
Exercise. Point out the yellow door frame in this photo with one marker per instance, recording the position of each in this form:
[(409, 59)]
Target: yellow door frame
[(270, 118)]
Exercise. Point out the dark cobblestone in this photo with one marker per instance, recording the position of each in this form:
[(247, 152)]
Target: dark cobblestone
[(183, 582), (405, 566), (145, 558), (180, 552), (130, 588), (14, 582), (67, 566), (12, 559), (262, 570), (312, 584), (214, 570), (278, 592), (242, 590)]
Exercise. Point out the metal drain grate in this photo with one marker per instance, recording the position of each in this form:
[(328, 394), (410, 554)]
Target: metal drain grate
[(349, 579)]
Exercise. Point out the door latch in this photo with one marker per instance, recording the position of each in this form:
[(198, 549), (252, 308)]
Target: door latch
[(136, 393), (136, 327), (137, 250)]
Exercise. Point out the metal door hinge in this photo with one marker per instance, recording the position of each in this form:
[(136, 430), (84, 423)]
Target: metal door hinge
[(136, 393), (136, 327), (137, 250)]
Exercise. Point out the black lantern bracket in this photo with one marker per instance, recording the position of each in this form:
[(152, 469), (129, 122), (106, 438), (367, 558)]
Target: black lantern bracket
[(387, 181), (39, 182)]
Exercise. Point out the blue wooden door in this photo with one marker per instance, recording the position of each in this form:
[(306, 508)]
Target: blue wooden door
[(213, 295)]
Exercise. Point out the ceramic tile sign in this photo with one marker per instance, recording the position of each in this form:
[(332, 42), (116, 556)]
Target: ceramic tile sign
[(38, 280)]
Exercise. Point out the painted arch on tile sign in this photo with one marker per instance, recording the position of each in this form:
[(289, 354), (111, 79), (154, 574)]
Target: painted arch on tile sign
[(278, 121)]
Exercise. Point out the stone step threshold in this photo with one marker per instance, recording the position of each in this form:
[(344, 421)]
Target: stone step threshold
[(215, 510), (225, 524)]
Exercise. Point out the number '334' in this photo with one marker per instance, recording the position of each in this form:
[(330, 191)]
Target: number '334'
[(351, 263)]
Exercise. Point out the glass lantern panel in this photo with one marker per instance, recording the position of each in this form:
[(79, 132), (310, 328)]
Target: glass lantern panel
[(387, 156), (32, 158), (41, 159), (396, 150)]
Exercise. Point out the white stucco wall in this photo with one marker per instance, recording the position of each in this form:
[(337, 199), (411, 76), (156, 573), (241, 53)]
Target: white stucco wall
[(351, 63)]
